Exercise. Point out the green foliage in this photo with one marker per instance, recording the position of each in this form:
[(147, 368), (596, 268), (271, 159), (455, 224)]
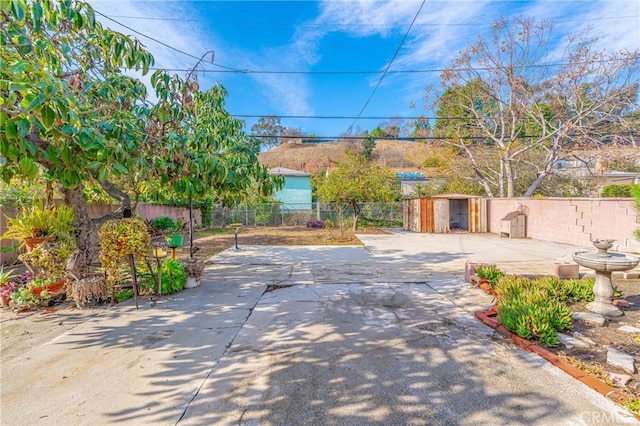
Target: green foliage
[(5, 276), (65, 80), (38, 221), (50, 257), (462, 186), (619, 191), (508, 112), (164, 223), (368, 145), (490, 273), (633, 405), (118, 239), (355, 181), (71, 108), (24, 298), (174, 277), (121, 296), (635, 192), (20, 192), (580, 289), (537, 309), (268, 130)]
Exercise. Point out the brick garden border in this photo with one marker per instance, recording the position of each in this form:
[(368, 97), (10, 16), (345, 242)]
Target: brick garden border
[(488, 318)]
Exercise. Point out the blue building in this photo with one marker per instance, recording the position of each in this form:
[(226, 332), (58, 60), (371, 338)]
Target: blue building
[(296, 192)]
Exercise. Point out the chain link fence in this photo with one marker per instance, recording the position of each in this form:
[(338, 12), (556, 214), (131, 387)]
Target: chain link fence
[(388, 215)]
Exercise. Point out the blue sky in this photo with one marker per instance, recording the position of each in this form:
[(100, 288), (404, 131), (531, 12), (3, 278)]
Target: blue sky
[(303, 38)]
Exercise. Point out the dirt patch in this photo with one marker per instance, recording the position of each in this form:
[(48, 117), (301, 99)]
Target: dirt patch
[(20, 332), (610, 336), (210, 243)]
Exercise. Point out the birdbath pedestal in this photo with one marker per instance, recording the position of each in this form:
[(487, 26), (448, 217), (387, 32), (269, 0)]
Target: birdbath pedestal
[(604, 263)]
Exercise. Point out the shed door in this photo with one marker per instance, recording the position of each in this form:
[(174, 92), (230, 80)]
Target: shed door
[(477, 215), (440, 215), (426, 215)]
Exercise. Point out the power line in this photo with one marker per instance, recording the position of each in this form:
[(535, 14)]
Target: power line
[(404, 138), (386, 70), (167, 45), (343, 117), (423, 71), (335, 24), (227, 69)]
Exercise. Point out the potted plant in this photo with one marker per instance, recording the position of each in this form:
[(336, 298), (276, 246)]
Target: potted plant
[(50, 259), (193, 267), (29, 290), (123, 240), (170, 228), (36, 223), (6, 286)]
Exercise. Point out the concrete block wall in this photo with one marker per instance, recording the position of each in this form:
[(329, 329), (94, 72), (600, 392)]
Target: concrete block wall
[(572, 220), (148, 211)]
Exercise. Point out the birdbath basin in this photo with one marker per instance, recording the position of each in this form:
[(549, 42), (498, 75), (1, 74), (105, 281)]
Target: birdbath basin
[(604, 263)]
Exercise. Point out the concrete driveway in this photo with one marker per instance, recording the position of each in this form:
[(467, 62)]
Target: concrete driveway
[(381, 334)]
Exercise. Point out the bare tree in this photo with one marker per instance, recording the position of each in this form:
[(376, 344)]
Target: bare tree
[(511, 92)]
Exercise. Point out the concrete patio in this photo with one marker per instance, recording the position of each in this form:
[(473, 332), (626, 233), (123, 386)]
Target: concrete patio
[(381, 334)]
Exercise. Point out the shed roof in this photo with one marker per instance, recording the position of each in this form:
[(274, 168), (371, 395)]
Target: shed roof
[(455, 196)]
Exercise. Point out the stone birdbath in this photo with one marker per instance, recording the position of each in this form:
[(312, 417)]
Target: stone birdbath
[(604, 263)]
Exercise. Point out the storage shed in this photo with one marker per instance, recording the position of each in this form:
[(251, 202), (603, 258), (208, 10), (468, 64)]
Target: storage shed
[(445, 213)]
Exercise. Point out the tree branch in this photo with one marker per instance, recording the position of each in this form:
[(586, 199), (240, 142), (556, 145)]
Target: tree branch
[(125, 203)]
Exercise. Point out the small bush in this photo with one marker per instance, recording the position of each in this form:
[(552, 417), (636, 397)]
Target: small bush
[(490, 273), (164, 223), (174, 276), (618, 191), (535, 309), (633, 405), (315, 224), (121, 296)]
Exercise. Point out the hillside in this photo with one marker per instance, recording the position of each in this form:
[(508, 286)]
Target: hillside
[(314, 158), (405, 156)]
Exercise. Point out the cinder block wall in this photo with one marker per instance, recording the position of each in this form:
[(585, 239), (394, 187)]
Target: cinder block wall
[(572, 220), (148, 211)]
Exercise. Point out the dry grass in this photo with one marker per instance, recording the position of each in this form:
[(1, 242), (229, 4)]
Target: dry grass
[(210, 243), (314, 158), (593, 368)]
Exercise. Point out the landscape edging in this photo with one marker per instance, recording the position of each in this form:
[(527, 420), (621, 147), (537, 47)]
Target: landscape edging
[(486, 317)]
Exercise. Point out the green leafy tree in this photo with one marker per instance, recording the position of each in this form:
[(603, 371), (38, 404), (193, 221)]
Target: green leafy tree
[(355, 181), (268, 129), (69, 110), (368, 145)]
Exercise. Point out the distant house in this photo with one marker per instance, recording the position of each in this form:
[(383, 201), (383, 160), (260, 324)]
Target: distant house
[(409, 181), (296, 192)]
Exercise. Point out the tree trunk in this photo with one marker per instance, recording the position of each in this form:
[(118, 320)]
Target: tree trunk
[(508, 169), (356, 215), (84, 232), (536, 183), (86, 229)]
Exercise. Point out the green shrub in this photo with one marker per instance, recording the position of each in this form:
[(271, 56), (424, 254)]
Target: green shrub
[(174, 276), (490, 273), (164, 223), (535, 309), (581, 289), (121, 296), (619, 191)]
